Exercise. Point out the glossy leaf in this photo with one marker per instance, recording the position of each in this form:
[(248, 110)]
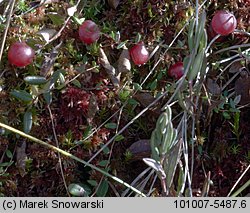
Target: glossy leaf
[(77, 190), (21, 95), (27, 121), (35, 80)]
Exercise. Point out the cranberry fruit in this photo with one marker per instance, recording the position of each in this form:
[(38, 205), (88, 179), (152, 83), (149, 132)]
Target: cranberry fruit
[(224, 23), (89, 32), (139, 53), (20, 54), (176, 70), (211, 34)]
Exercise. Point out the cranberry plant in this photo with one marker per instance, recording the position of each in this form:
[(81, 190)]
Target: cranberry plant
[(94, 79)]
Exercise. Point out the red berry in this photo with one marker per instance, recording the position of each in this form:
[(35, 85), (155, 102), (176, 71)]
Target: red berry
[(176, 70), (20, 54), (89, 32), (139, 53), (211, 34), (224, 22)]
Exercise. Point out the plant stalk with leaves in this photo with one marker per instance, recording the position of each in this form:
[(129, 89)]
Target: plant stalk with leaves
[(165, 150)]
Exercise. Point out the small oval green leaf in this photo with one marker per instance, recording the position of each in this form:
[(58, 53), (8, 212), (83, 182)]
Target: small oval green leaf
[(77, 190), (111, 125), (35, 80), (9, 154), (27, 121), (77, 83), (21, 95), (103, 163)]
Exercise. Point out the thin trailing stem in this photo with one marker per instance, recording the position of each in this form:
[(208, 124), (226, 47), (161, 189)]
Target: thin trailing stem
[(231, 48)]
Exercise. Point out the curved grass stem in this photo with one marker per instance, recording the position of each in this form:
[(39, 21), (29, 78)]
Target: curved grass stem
[(38, 141)]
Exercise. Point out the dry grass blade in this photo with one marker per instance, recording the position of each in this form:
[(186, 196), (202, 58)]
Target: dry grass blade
[(38, 141)]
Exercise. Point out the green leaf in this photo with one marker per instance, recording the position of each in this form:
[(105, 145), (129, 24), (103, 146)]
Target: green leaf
[(132, 101), (226, 115), (153, 85), (103, 163), (79, 21), (173, 158), (201, 27), (21, 95), (87, 131), (56, 19), (191, 34), (77, 83), (167, 139), (106, 150), (137, 86), (61, 78), (92, 182), (203, 41), (111, 125), (181, 179), (122, 44), (27, 121), (103, 189), (48, 97), (154, 142), (119, 138), (9, 154), (138, 38), (77, 190), (161, 123), (6, 164), (196, 65), (35, 80)]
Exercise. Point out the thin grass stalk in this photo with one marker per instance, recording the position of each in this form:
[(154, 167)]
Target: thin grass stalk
[(38, 141), (242, 188), (238, 180)]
